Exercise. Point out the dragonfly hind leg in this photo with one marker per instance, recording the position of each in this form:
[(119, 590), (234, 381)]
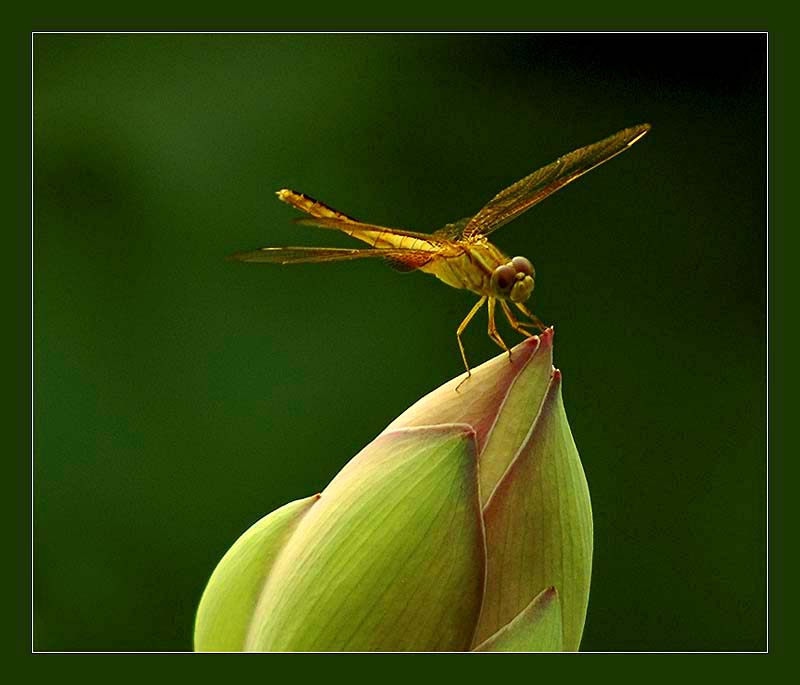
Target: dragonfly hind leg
[(460, 330)]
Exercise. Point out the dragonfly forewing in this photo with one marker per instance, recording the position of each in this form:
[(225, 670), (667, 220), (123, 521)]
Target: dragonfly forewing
[(534, 188)]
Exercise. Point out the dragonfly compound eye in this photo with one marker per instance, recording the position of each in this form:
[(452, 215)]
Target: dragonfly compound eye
[(503, 278), (522, 265)]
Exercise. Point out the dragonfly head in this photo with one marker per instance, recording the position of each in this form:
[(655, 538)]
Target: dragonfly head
[(514, 281)]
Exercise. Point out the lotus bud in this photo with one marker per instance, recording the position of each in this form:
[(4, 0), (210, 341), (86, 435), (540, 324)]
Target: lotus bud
[(465, 525)]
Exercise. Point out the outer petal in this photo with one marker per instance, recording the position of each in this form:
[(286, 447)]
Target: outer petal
[(390, 558), (226, 608), (536, 629), (539, 527)]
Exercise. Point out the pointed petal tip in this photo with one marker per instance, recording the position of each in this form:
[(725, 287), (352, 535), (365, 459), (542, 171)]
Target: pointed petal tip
[(458, 430), (531, 343), (465, 429), (550, 593), (536, 628), (522, 353), (546, 336), (528, 347), (461, 430)]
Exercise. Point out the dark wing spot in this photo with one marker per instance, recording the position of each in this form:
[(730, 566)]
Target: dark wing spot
[(408, 262)]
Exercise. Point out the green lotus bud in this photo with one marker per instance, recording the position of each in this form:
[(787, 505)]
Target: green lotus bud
[(465, 525)]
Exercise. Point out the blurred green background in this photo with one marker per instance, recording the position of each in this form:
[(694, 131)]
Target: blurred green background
[(180, 397)]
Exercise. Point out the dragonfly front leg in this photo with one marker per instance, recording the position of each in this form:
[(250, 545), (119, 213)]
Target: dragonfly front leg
[(518, 326), (534, 319), (464, 323), (492, 330)]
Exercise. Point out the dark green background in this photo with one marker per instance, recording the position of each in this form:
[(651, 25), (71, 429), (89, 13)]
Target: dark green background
[(179, 397)]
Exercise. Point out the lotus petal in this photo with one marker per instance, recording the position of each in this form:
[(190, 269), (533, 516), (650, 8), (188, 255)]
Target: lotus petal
[(536, 629), (226, 608), (390, 558), (539, 527)]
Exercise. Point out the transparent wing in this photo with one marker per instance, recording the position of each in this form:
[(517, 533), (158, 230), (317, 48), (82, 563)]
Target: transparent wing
[(367, 232), (515, 199), (452, 231), (403, 260)]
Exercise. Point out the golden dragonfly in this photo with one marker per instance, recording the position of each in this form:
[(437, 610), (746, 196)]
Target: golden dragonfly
[(459, 254)]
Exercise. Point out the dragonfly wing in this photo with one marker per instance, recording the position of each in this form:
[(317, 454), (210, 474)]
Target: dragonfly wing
[(532, 189), (403, 260), (452, 231), (358, 229)]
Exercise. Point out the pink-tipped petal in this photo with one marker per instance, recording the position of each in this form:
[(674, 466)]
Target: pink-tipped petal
[(539, 527), (516, 416)]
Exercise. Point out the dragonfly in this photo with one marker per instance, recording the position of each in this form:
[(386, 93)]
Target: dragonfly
[(459, 254)]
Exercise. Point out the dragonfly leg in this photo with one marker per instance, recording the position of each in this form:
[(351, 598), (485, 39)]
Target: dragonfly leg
[(493, 334), (464, 323), (518, 326), (534, 319)]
